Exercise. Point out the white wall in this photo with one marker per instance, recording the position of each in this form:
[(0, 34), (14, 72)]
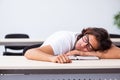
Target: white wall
[(40, 18)]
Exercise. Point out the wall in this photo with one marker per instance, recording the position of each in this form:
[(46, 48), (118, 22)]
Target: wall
[(40, 18)]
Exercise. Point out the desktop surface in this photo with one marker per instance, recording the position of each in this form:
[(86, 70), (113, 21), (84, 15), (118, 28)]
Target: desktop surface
[(19, 64)]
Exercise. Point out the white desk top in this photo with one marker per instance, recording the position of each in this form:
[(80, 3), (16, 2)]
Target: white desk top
[(24, 42), (20, 62), (115, 39), (19, 42), (38, 40)]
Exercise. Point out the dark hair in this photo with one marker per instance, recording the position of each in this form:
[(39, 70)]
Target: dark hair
[(101, 35)]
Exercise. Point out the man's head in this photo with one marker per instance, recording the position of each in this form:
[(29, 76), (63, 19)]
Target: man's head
[(93, 39)]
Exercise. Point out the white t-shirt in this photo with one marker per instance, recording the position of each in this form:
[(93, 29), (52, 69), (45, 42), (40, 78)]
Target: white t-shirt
[(62, 41)]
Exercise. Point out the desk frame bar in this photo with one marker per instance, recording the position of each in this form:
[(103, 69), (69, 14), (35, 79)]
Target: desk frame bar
[(58, 71)]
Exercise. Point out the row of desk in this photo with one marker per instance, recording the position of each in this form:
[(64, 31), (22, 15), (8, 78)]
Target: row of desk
[(20, 68), (19, 42)]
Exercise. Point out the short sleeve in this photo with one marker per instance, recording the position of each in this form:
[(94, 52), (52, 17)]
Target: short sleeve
[(61, 42)]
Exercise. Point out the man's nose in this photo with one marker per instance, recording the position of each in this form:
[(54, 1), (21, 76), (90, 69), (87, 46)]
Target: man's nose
[(84, 44)]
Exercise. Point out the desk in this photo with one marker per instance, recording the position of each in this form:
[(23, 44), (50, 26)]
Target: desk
[(116, 41), (19, 42), (109, 69), (24, 42)]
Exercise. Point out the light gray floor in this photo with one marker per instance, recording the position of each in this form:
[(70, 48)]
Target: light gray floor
[(61, 77)]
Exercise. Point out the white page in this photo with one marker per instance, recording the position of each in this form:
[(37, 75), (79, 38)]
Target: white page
[(83, 57)]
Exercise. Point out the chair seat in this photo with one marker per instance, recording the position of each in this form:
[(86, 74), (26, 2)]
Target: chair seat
[(12, 54)]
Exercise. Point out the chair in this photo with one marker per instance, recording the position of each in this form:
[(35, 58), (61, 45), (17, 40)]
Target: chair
[(15, 50), (32, 46), (115, 36)]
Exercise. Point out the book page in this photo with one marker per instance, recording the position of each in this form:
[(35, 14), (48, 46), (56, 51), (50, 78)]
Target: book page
[(83, 57)]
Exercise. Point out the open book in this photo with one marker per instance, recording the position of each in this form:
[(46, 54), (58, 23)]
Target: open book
[(83, 57)]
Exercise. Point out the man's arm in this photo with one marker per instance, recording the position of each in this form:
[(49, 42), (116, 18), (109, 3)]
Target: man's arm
[(112, 53), (46, 53), (41, 53)]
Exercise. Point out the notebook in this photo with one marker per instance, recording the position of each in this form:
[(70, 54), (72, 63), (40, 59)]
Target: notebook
[(83, 57)]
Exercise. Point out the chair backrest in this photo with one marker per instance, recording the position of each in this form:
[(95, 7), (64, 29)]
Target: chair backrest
[(14, 35), (114, 36)]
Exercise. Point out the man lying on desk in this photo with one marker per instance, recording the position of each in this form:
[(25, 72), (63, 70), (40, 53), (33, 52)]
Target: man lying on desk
[(92, 41)]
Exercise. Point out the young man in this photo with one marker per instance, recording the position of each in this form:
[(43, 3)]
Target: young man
[(91, 41)]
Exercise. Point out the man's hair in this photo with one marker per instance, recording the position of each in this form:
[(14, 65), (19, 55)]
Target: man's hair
[(101, 35)]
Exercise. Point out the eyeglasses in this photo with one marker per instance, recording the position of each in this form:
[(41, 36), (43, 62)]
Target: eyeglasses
[(85, 39)]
